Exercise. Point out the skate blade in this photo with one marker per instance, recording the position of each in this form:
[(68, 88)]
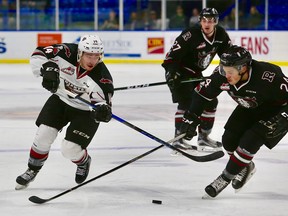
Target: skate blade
[(248, 178), (175, 153), (193, 151), (20, 187), (207, 197)]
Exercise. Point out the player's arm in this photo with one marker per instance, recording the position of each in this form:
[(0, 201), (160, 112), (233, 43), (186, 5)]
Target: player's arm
[(42, 66), (275, 128), (103, 106), (225, 45), (173, 59), (101, 95), (203, 93), (37, 59)]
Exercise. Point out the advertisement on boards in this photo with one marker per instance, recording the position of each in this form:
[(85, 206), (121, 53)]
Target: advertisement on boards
[(142, 46)]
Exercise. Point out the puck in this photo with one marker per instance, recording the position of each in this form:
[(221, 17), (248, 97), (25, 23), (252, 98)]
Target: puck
[(157, 202)]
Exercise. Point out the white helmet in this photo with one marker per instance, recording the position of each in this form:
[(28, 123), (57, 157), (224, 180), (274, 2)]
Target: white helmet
[(90, 44)]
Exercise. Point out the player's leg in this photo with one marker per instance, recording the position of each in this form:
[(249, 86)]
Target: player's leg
[(251, 142), (241, 145), (181, 143), (205, 143), (182, 96), (39, 151), (49, 122), (78, 136)]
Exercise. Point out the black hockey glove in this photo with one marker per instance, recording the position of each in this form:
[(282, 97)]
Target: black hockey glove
[(276, 126), (101, 113), (189, 125), (173, 79), (50, 74)]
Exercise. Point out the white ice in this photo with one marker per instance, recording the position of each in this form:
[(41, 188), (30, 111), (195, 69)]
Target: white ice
[(177, 181)]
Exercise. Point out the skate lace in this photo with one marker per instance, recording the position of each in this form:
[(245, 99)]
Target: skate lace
[(242, 174), (81, 170), (28, 175), (219, 183)]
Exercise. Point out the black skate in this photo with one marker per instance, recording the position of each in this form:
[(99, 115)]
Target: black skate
[(207, 144), (83, 171), (217, 186), (243, 177), (24, 179)]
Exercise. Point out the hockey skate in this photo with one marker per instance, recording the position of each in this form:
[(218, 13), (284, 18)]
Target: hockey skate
[(207, 144), (243, 177), (216, 186), (24, 179), (182, 145), (82, 171)]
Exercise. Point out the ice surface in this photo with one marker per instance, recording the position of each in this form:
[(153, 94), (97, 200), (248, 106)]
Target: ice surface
[(177, 181)]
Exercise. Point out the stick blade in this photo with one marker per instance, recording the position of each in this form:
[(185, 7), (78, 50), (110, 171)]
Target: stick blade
[(37, 200), (206, 158)]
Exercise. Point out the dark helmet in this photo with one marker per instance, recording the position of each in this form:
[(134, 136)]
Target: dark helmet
[(236, 56), (209, 13)]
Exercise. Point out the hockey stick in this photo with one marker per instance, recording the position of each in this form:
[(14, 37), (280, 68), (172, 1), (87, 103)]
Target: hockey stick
[(38, 200), (157, 83), (203, 158)]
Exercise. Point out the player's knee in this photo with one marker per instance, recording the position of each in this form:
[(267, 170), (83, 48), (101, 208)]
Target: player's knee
[(251, 141), (44, 138), (71, 150), (229, 141), (212, 105)]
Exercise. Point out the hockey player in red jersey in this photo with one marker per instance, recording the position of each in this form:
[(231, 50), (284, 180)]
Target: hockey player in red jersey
[(76, 68), (191, 53), (261, 117)]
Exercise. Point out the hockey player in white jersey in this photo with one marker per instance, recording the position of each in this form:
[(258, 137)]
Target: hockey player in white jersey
[(64, 68)]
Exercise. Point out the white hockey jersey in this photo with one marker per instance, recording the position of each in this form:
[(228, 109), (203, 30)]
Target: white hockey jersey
[(95, 86)]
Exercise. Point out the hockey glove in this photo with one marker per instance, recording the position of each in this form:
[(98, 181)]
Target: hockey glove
[(50, 74), (276, 126), (190, 122), (101, 113), (173, 79)]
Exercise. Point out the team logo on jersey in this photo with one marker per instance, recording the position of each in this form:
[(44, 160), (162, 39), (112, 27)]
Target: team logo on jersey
[(225, 87), (70, 70), (106, 81), (247, 102), (201, 46), (205, 58), (186, 36), (73, 88)]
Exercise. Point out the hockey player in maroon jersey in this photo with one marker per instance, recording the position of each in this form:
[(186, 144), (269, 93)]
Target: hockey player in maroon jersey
[(261, 117), (191, 53), (78, 68)]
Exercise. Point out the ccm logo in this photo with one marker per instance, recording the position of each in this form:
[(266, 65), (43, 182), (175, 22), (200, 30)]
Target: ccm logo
[(81, 134)]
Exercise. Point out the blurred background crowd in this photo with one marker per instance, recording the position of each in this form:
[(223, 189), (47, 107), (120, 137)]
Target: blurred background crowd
[(133, 15)]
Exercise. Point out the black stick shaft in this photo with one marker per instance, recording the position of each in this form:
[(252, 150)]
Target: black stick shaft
[(156, 84), (204, 158), (38, 200)]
